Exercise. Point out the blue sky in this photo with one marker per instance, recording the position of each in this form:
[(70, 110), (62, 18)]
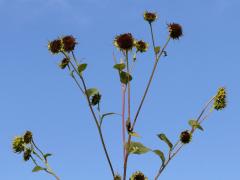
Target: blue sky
[(36, 95)]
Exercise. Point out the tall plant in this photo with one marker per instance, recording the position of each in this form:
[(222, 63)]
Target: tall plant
[(130, 49)]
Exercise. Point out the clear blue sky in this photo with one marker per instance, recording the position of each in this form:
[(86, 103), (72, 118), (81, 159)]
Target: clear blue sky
[(36, 95)]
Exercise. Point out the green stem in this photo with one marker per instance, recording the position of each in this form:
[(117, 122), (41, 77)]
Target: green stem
[(94, 116)]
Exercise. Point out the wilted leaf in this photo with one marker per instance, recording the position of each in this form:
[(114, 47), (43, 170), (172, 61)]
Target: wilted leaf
[(125, 77), (137, 148), (164, 138), (195, 124), (160, 154), (92, 91), (37, 168), (120, 66), (82, 67)]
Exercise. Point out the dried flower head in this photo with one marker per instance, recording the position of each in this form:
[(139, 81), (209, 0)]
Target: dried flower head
[(117, 177), (220, 99), (18, 144), (27, 137), (96, 99), (185, 137), (27, 154), (141, 46), (175, 30), (124, 42), (69, 43), (138, 176), (63, 64), (150, 16), (55, 46)]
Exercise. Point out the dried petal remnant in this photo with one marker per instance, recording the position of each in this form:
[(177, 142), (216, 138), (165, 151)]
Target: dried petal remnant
[(124, 42), (64, 63), (175, 30)]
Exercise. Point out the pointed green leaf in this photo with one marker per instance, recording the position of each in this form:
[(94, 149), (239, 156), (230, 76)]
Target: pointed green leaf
[(120, 66), (195, 124), (82, 67), (47, 155), (134, 134), (92, 91), (37, 168), (160, 154), (164, 138), (137, 148), (105, 115), (125, 77)]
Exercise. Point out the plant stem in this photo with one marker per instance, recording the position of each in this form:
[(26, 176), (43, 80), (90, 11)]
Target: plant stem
[(93, 114), (123, 119), (142, 101)]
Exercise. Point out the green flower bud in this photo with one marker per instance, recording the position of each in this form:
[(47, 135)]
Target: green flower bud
[(220, 99)]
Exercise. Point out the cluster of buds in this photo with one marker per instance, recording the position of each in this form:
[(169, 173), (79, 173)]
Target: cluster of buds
[(22, 144), (220, 99), (65, 44), (138, 176)]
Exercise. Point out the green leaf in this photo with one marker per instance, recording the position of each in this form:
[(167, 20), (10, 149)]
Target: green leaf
[(92, 91), (82, 67), (160, 154), (37, 168), (125, 77), (195, 124), (47, 155), (104, 115), (164, 138), (137, 148), (120, 66), (134, 134), (157, 49)]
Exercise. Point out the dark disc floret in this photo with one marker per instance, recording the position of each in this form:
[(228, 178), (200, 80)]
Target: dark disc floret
[(175, 30), (124, 41), (55, 46), (185, 137), (69, 43)]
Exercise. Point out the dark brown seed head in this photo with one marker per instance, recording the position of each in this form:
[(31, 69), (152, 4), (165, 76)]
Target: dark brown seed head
[(64, 63), (69, 43), (27, 137), (138, 176), (141, 46), (124, 42), (96, 99), (150, 16), (55, 46), (27, 154), (175, 30), (185, 137)]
